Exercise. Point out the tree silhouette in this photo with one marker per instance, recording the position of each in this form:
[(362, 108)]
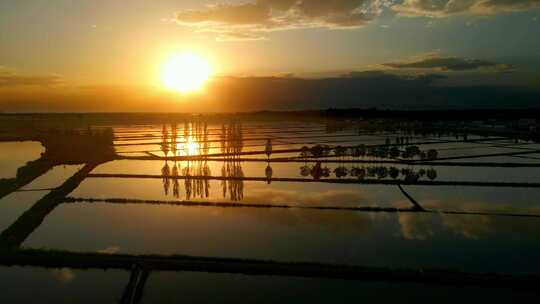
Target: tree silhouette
[(268, 173), (165, 140)]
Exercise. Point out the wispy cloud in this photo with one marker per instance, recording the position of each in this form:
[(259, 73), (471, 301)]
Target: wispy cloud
[(445, 8), (251, 20), (238, 36), (9, 78)]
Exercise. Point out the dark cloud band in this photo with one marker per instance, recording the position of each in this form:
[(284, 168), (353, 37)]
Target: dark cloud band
[(449, 64), (13, 80)]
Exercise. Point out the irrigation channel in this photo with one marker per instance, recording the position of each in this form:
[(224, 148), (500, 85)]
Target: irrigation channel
[(194, 142)]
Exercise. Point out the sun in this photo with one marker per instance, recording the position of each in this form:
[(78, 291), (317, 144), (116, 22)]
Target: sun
[(186, 72)]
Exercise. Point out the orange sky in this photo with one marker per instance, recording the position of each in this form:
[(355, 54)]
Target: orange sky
[(70, 52)]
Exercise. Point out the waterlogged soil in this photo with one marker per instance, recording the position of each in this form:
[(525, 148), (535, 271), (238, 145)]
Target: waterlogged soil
[(467, 228)]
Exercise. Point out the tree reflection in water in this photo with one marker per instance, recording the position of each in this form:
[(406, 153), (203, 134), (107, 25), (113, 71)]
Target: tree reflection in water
[(176, 184), (195, 175), (165, 172), (192, 142), (199, 185), (376, 172), (231, 146), (196, 172), (268, 172)]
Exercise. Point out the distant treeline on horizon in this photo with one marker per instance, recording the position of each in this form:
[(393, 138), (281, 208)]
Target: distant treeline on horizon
[(348, 113)]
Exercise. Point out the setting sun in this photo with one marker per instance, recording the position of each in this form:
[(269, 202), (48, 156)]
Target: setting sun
[(186, 73)]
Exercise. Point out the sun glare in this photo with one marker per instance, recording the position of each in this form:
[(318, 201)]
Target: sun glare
[(192, 148), (186, 73)]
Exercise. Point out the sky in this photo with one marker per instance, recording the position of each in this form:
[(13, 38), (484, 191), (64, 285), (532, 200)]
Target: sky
[(58, 55)]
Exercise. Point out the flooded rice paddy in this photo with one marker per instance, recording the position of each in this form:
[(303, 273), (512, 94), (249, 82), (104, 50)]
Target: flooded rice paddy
[(15, 154), (284, 192)]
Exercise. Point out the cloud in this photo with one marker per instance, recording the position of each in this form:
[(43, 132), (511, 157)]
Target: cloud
[(63, 275), (421, 226), (254, 19), (11, 79), (110, 250), (437, 62), (319, 198), (415, 226), (425, 79), (380, 89), (365, 89), (238, 36), (445, 8), (469, 226)]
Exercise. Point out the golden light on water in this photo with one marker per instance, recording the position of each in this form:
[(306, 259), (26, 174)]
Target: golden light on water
[(186, 72), (192, 147)]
